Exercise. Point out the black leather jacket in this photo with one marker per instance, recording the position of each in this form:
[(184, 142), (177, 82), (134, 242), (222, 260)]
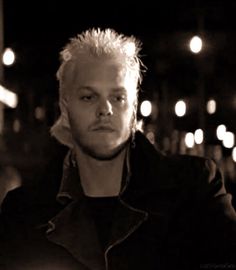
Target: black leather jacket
[(173, 213)]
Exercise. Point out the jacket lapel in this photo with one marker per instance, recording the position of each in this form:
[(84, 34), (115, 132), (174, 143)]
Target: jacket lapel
[(126, 220), (73, 229)]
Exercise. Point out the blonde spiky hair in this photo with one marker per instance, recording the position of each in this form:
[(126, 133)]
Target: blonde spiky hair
[(93, 43)]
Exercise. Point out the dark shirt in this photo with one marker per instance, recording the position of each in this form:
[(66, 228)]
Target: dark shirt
[(102, 210)]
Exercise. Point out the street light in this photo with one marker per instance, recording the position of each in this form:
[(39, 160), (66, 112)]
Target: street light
[(8, 97), (211, 106), (198, 136), (146, 108), (189, 140), (228, 140), (8, 57), (180, 108), (220, 132), (195, 44)]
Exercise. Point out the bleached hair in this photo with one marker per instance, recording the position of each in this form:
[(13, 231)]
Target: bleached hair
[(94, 43)]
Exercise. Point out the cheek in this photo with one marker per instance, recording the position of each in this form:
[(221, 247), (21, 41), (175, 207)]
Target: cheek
[(76, 116), (75, 109), (73, 121)]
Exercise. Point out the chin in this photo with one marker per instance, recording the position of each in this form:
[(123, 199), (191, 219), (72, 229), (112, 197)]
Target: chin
[(103, 151), (102, 156)]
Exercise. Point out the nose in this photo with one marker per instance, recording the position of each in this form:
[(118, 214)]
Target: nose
[(104, 108)]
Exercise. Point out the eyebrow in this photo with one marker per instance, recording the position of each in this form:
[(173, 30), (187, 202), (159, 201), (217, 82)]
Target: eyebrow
[(119, 89), (86, 88), (89, 88)]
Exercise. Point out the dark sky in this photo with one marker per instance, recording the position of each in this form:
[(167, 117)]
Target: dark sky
[(48, 24), (37, 31)]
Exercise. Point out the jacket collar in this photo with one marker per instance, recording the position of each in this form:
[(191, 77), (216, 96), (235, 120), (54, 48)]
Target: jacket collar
[(142, 166), (73, 227), (71, 189)]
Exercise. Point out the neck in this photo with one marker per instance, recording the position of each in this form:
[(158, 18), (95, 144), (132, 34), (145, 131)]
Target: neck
[(100, 178)]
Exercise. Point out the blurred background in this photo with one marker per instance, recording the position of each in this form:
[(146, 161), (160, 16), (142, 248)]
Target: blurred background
[(188, 95)]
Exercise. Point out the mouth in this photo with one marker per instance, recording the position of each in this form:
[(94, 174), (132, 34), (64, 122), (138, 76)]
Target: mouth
[(103, 129)]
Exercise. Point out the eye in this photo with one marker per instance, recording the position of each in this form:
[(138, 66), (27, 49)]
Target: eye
[(119, 98), (88, 98)]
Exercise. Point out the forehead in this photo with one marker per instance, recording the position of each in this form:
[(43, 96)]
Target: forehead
[(103, 70)]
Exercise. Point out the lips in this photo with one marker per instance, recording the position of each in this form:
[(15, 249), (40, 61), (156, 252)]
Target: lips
[(103, 128)]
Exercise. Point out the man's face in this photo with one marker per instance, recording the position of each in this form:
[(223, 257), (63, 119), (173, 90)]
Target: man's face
[(101, 107)]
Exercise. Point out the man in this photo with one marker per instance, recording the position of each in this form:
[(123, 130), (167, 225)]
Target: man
[(121, 204)]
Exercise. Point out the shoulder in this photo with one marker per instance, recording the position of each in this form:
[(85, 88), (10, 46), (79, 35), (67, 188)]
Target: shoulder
[(179, 170), (198, 176), (177, 164), (28, 205), (196, 170), (36, 198), (148, 151), (194, 165), (200, 168)]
